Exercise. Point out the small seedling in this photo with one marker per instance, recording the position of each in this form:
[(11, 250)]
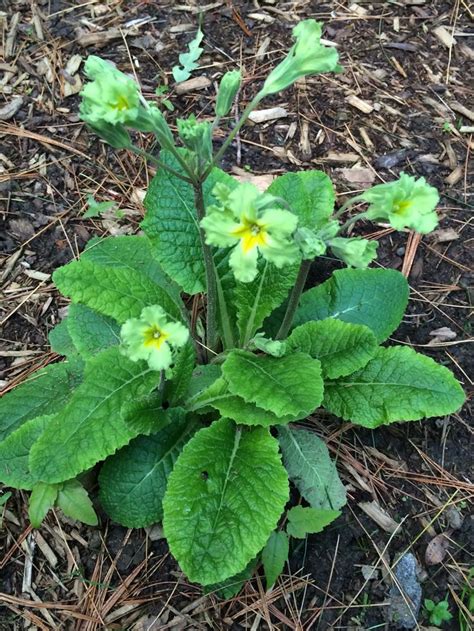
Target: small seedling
[(437, 612), (96, 209), (189, 60)]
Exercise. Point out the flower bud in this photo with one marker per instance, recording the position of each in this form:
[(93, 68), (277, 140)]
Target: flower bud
[(229, 86), (354, 252), (196, 136)]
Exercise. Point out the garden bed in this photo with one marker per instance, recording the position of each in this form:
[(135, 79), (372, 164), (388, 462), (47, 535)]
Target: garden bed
[(402, 103)]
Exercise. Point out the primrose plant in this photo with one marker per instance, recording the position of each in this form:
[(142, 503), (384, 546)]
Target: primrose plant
[(192, 350)]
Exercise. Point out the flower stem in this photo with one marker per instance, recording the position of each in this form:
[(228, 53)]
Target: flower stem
[(159, 163), (215, 161), (294, 300), (344, 207), (211, 315), (351, 221)]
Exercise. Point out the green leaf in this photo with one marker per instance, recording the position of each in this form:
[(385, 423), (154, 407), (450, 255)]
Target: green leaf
[(398, 384), (376, 298), (91, 332), (274, 556), (4, 499), (203, 376), (45, 392), (256, 300), (130, 253), (95, 208), (90, 427), (231, 406), (175, 389), (42, 498), (60, 340), (188, 60), (224, 498), (231, 586), (133, 481), (147, 416), (304, 521), (113, 291), (310, 468), (310, 195), (289, 385), (75, 503), (15, 451), (342, 348), (172, 225)]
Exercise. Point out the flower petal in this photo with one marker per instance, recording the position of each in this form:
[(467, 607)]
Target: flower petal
[(280, 223), (280, 252), (177, 333), (219, 226), (244, 264), (160, 358), (154, 315)]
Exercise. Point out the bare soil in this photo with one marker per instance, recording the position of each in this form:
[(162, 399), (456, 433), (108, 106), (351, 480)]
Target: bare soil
[(413, 112)]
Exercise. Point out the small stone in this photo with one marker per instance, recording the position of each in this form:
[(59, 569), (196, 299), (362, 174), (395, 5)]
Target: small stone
[(455, 519), (404, 608)]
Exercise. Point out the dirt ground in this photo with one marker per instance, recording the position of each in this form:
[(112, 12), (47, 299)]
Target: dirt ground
[(403, 102)]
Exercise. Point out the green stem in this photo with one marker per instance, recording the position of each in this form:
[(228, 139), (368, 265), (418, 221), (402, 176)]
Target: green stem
[(350, 221), (211, 285), (227, 334), (159, 163), (250, 323), (344, 207), (215, 161), (294, 300)]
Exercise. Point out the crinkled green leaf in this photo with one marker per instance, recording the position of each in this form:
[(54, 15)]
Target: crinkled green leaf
[(75, 503), (224, 498), (42, 498), (341, 347), (274, 556), (376, 298), (147, 416), (203, 376), (45, 392), (133, 481), (90, 331), (90, 427), (172, 225), (398, 384), (229, 405), (61, 341), (290, 385), (113, 291), (15, 451), (175, 389), (310, 468), (129, 252), (256, 300), (304, 521), (310, 195)]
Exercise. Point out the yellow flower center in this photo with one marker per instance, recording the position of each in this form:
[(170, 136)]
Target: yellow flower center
[(400, 208), (121, 103), (251, 233), (154, 336)]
